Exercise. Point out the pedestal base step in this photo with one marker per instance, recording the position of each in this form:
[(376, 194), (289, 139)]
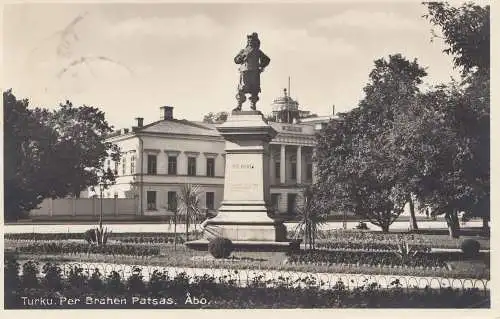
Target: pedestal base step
[(259, 246)]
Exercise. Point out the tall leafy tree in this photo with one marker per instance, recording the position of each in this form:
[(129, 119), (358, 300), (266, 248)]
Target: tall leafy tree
[(28, 151), (359, 166), (466, 32), (52, 153), (81, 147), (213, 118)]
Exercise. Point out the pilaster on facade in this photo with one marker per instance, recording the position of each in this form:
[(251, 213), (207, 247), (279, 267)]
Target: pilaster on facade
[(283, 164), (299, 164)]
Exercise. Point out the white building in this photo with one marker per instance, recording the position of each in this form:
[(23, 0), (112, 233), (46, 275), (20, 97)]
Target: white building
[(161, 157)]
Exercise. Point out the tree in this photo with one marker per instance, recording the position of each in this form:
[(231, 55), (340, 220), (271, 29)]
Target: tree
[(189, 204), (354, 176), (310, 217), (51, 153), (81, 147), (392, 90), (215, 118), (359, 164), (466, 32), (28, 151)]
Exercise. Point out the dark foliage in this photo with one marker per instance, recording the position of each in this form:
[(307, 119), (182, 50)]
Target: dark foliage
[(220, 247), (470, 248), (81, 248), (225, 293)]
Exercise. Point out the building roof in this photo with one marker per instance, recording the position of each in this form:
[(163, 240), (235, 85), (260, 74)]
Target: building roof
[(317, 119), (183, 127)]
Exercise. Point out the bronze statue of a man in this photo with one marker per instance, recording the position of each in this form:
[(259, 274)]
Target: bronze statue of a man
[(252, 62)]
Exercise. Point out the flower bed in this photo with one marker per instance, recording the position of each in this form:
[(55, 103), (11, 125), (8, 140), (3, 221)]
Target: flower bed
[(80, 248), (367, 246), (183, 291), (66, 236), (151, 240), (352, 237), (420, 259)]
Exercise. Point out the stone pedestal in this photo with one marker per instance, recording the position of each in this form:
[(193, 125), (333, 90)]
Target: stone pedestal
[(243, 215)]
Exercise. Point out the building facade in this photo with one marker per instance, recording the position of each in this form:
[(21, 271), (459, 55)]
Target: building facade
[(158, 159)]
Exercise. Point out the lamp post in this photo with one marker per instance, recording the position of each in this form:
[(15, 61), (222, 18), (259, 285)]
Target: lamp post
[(101, 186)]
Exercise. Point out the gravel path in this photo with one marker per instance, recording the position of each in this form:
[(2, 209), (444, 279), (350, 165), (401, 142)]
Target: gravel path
[(150, 228)]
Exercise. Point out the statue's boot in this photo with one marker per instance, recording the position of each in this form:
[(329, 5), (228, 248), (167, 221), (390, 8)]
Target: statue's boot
[(253, 99)]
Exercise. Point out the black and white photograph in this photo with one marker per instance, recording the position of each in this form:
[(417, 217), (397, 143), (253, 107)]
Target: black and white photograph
[(238, 155)]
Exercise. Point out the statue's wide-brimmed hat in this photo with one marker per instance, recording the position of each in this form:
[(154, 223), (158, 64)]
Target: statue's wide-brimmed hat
[(253, 36)]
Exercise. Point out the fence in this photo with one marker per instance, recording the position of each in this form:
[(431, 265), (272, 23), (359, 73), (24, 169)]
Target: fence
[(86, 207), (271, 278)]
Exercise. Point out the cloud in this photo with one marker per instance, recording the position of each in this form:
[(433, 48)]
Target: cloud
[(179, 27), (369, 20)]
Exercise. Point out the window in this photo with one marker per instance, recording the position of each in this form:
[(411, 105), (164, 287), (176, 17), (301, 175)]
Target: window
[(192, 166), (309, 173), (275, 198), (172, 165), (211, 167), (132, 165), (124, 165), (108, 164), (210, 199), (291, 201), (172, 201), (151, 200), (151, 164), (277, 170), (116, 168), (293, 169)]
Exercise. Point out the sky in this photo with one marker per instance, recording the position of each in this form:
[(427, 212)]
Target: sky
[(131, 59)]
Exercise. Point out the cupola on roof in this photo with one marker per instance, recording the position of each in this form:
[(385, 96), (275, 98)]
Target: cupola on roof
[(285, 102)]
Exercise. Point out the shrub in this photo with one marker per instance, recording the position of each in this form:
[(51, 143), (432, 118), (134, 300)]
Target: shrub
[(157, 282), (90, 236), (97, 236), (95, 282), (470, 248), (135, 283), (114, 283), (11, 272), (76, 278), (30, 273), (53, 276), (220, 247)]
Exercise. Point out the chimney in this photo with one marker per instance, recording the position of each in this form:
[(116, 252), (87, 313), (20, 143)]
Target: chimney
[(139, 121), (167, 112)]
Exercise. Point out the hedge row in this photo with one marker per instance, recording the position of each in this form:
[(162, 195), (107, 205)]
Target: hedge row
[(182, 291), (420, 259), (67, 236), (80, 248), (368, 246), (152, 240)]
